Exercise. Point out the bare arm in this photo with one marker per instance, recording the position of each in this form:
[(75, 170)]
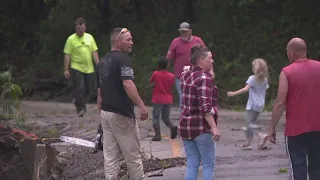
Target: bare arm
[(95, 57), (171, 63), (127, 76), (151, 85), (66, 66), (209, 118), (171, 54), (240, 91), (66, 62), (279, 104), (151, 81), (132, 92), (99, 92), (99, 100)]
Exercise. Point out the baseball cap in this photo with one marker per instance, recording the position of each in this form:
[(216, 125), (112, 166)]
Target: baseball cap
[(184, 26)]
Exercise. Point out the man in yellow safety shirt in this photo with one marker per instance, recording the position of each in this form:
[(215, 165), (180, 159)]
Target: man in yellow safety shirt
[(79, 49)]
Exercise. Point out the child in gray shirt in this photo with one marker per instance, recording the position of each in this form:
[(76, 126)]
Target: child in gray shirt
[(257, 85)]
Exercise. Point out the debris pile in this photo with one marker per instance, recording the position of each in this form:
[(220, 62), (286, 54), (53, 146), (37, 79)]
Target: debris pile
[(24, 156)]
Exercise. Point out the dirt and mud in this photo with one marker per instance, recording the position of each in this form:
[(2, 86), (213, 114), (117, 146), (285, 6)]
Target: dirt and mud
[(11, 164), (49, 120)]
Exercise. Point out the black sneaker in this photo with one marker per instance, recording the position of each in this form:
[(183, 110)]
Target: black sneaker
[(156, 138), (78, 109), (174, 132)]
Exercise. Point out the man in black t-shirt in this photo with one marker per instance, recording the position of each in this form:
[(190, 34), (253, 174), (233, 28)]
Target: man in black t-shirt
[(117, 95)]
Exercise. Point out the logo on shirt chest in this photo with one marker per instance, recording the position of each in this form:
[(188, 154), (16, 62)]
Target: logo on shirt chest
[(82, 44)]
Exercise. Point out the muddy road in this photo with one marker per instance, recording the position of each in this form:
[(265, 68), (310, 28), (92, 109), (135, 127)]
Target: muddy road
[(51, 119)]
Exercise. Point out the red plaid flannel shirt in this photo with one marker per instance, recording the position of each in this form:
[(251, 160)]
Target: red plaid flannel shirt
[(199, 97)]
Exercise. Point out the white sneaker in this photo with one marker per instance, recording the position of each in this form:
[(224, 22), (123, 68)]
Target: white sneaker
[(244, 128), (251, 126), (82, 112), (254, 126), (246, 147)]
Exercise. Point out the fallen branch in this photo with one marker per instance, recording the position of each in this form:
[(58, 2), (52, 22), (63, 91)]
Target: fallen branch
[(15, 131)]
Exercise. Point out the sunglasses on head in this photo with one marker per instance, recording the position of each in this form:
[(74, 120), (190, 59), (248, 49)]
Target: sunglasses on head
[(123, 30)]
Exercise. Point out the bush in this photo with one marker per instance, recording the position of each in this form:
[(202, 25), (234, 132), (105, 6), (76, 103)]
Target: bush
[(9, 96)]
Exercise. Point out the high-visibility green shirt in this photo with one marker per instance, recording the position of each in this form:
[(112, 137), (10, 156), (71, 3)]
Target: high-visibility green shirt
[(80, 50)]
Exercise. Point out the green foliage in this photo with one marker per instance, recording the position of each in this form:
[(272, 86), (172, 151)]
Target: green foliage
[(283, 170), (9, 96), (237, 31), (20, 123)]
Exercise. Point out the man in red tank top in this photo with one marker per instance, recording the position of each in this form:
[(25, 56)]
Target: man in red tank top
[(298, 93)]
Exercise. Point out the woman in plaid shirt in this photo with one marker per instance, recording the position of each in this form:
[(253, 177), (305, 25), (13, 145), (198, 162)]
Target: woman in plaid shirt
[(198, 125)]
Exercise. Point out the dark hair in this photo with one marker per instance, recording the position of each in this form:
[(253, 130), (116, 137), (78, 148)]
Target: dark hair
[(80, 21), (197, 51), (162, 63)]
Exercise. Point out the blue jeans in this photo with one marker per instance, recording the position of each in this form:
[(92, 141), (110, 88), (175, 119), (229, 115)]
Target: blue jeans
[(178, 87), (203, 149)]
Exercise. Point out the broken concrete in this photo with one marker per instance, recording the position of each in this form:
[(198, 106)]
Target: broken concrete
[(41, 161)]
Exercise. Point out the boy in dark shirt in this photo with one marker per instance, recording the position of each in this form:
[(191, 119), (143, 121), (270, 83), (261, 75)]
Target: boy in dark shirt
[(163, 82)]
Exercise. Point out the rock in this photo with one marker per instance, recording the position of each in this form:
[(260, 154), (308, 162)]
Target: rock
[(63, 160), (56, 173), (64, 155)]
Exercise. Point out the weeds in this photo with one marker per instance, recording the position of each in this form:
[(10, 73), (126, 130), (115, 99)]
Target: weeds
[(9, 97), (51, 133), (283, 170)]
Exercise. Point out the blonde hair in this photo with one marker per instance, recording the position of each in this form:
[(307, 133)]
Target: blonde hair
[(260, 69)]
